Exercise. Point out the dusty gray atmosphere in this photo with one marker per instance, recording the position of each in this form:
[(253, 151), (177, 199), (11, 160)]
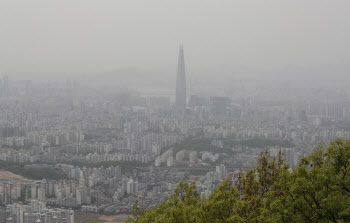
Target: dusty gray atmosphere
[(106, 102)]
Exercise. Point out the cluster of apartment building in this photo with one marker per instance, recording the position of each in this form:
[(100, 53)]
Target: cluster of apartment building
[(34, 212)]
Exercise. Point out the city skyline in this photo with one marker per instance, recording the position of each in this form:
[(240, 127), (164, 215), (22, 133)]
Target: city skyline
[(100, 111)]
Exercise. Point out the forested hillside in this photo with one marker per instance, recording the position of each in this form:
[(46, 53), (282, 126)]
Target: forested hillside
[(318, 190)]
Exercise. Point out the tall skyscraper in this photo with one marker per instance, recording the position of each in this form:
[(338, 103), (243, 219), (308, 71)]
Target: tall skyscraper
[(28, 87), (181, 82), (5, 87)]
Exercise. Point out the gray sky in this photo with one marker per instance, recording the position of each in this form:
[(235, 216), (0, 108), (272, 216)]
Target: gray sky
[(77, 36)]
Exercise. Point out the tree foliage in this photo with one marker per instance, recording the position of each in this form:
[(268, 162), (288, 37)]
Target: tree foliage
[(318, 190)]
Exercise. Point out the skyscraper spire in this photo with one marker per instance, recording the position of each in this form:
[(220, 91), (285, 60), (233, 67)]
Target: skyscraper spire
[(181, 82)]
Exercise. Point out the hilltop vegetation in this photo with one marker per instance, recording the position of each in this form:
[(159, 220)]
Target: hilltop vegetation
[(34, 174), (203, 144), (259, 143), (126, 166), (318, 190), (198, 145)]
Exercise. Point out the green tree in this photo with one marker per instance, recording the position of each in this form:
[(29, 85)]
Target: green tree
[(318, 190), (135, 214), (178, 208)]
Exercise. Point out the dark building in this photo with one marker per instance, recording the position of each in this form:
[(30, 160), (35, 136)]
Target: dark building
[(195, 100), (219, 105), (3, 213)]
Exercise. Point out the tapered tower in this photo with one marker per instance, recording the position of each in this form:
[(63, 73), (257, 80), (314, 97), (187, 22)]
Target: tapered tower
[(181, 82)]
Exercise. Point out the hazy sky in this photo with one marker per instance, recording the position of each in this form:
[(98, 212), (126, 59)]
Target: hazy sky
[(73, 36)]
